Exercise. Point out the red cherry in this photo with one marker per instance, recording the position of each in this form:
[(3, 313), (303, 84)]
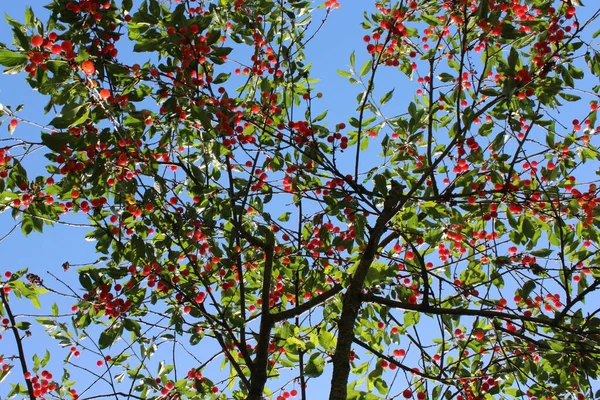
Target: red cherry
[(88, 67), (37, 41), (37, 58), (66, 46)]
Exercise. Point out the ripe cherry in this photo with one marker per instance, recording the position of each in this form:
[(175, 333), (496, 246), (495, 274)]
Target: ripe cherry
[(37, 41), (88, 67)]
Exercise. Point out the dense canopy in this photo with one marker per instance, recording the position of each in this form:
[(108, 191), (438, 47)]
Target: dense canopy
[(437, 239)]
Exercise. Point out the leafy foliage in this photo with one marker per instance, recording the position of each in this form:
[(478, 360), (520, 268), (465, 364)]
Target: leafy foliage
[(439, 245)]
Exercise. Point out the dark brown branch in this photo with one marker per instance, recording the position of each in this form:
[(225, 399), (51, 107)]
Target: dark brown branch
[(18, 341), (123, 394), (398, 364), (365, 101), (371, 298), (310, 304)]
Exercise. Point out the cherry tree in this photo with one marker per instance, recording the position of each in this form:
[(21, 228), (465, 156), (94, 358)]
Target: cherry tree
[(439, 239)]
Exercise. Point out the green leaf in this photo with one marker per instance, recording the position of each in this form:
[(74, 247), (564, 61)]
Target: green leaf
[(386, 97), (56, 141), (29, 17), (132, 326), (381, 386), (11, 59), (527, 289), (541, 252), (326, 339), (446, 77), (296, 343), (314, 366), (4, 372), (513, 59), (71, 116), (483, 10), (527, 227), (285, 217), (23, 325), (489, 92), (431, 20), (364, 144), (221, 78), (45, 360), (512, 221), (411, 318), (155, 8), (508, 87), (569, 97), (367, 66), (27, 224), (86, 281), (109, 336), (320, 117)]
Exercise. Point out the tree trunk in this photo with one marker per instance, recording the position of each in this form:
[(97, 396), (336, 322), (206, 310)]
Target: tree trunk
[(352, 298)]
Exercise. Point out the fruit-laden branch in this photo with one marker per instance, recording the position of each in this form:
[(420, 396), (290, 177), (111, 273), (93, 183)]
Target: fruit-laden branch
[(15, 330), (576, 300), (491, 314), (395, 362), (215, 323), (123, 394)]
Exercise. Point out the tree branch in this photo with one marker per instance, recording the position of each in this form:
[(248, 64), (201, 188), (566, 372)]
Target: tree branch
[(18, 341)]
